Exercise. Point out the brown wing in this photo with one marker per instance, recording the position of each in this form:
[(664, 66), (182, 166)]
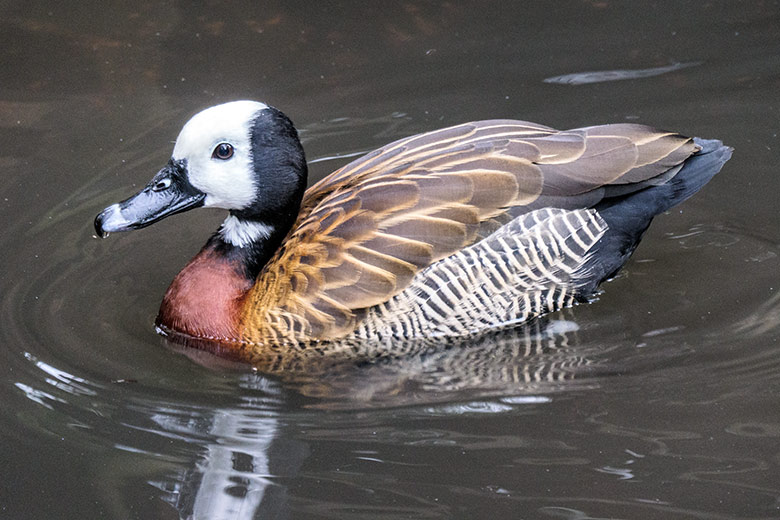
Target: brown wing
[(365, 230)]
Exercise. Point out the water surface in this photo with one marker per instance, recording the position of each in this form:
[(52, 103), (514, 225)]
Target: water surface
[(658, 400)]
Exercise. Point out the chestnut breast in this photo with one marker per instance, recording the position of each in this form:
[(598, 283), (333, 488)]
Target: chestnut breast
[(204, 300)]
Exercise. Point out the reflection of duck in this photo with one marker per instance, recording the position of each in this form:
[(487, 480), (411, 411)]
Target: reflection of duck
[(442, 234), (534, 359)]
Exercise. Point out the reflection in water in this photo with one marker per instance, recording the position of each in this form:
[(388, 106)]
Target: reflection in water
[(216, 461), (227, 458), (722, 468), (539, 357), (231, 476), (61, 379), (37, 396), (582, 78), (763, 320), (230, 479)]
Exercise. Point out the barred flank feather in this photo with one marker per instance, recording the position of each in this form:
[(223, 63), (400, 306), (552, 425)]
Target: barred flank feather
[(534, 264), (380, 232)]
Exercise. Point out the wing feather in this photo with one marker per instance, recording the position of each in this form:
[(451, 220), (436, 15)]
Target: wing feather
[(366, 230)]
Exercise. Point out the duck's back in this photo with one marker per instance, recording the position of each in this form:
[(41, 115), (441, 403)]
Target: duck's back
[(378, 232)]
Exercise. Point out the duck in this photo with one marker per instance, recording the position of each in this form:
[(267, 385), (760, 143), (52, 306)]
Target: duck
[(445, 234)]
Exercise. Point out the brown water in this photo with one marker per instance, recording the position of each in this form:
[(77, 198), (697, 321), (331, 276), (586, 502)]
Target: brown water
[(660, 400)]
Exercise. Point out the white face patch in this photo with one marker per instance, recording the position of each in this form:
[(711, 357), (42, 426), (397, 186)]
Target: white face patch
[(241, 233), (228, 184)]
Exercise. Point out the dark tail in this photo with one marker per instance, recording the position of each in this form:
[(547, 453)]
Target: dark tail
[(628, 217)]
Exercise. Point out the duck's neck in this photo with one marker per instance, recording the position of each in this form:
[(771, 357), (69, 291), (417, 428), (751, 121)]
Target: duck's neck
[(248, 244), (204, 300)]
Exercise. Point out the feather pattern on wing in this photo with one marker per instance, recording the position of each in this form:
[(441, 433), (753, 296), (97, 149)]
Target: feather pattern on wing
[(535, 264), (366, 230)]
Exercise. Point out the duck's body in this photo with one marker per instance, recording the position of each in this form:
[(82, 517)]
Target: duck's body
[(442, 234)]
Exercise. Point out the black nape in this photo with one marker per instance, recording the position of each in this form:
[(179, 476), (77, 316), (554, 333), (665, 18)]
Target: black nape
[(280, 171), (280, 176)]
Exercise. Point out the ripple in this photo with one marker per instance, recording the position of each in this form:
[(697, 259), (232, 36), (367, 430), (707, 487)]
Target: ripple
[(755, 429), (97, 353), (85, 367)]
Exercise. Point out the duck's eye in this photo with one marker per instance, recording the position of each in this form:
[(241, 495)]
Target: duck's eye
[(162, 184), (223, 151)]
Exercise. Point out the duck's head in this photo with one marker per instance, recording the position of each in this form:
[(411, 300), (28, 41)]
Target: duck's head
[(242, 156)]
